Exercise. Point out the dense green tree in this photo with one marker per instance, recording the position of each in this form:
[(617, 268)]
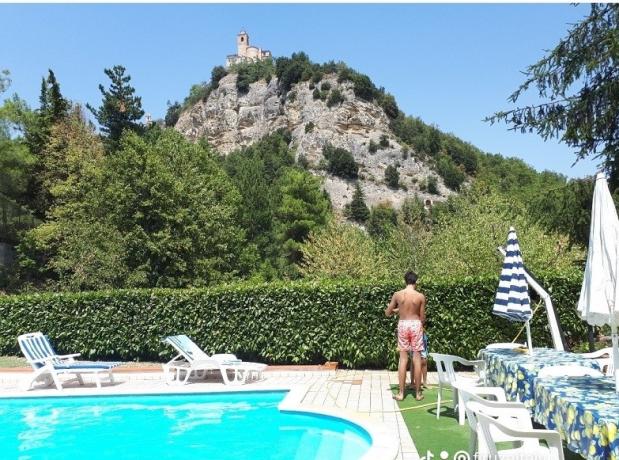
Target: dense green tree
[(462, 153), (578, 82), (465, 238), (120, 108), (413, 212), (342, 251), (16, 161), (564, 208), (272, 191), (335, 98), (392, 177), (303, 207), (432, 185), (197, 93), (251, 72), (172, 114), (340, 162), (217, 74), (292, 70), (54, 106), (357, 209), (383, 219), (160, 212), (71, 163), (452, 175)]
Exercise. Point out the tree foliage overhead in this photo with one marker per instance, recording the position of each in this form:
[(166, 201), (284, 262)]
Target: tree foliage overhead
[(120, 108), (578, 82)]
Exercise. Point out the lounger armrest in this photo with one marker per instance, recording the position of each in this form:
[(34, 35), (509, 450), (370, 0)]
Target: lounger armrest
[(70, 357)]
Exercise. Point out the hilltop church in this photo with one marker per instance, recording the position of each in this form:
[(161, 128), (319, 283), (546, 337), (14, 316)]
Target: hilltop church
[(245, 52)]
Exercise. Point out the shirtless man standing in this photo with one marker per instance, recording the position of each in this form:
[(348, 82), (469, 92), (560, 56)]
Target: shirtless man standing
[(410, 305)]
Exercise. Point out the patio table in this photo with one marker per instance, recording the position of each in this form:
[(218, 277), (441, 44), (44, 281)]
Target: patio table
[(516, 371), (585, 410)]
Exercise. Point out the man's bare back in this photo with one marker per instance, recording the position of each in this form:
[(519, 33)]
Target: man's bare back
[(408, 304)]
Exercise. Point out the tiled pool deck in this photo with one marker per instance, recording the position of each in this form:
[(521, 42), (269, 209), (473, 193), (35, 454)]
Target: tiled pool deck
[(364, 392)]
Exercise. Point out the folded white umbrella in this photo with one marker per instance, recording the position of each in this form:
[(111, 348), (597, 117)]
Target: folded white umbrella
[(599, 294)]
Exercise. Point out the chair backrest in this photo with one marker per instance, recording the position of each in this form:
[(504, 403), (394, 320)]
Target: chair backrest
[(36, 347), (604, 358), (568, 371), (514, 413), (488, 431), (500, 414), (445, 367), (187, 347)]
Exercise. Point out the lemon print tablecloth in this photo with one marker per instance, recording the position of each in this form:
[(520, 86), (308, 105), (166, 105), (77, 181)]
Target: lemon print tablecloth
[(585, 410), (516, 372)]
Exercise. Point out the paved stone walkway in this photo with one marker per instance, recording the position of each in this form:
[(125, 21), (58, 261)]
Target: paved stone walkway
[(364, 391)]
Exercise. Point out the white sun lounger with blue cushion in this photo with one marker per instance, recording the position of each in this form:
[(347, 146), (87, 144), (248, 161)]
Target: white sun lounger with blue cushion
[(48, 365), (191, 359)]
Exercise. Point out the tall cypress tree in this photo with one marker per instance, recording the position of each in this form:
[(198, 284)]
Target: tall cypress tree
[(120, 108), (359, 211), (57, 105), (53, 109)]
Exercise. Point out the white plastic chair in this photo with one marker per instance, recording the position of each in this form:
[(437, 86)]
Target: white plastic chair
[(604, 357), (465, 391), (513, 413), (447, 376), (568, 371), (491, 431)]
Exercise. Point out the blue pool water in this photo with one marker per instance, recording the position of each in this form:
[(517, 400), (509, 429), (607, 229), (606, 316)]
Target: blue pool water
[(243, 425)]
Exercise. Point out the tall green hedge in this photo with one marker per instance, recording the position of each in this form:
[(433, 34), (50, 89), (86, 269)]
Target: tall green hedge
[(295, 322)]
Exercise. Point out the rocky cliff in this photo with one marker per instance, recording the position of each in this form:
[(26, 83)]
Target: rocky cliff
[(230, 120)]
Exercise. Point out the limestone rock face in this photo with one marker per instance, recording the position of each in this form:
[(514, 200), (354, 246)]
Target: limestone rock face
[(230, 120)]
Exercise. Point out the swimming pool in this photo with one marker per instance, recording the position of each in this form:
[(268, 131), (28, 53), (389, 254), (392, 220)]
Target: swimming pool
[(242, 425)]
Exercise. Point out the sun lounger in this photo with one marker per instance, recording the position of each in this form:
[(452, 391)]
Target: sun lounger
[(49, 365), (191, 359)]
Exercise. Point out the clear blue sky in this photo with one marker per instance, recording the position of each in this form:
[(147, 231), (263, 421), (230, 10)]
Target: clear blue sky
[(450, 64)]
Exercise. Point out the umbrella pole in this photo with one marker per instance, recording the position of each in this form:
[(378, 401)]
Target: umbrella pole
[(529, 341), (615, 357)]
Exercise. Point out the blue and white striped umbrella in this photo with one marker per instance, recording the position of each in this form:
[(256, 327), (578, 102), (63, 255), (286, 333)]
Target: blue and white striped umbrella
[(512, 296)]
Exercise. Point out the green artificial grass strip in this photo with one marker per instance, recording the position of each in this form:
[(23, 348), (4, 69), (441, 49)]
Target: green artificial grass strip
[(428, 433), (444, 434)]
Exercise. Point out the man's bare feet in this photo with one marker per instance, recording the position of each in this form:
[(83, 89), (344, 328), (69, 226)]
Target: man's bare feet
[(398, 397), (419, 396)]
